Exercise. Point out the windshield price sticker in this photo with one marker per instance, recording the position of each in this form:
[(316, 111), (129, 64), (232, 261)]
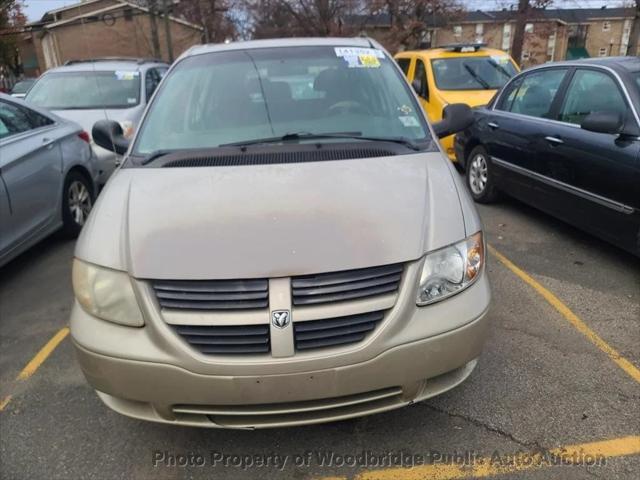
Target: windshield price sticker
[(500, 59), (122, 75), (360, 57), (409, 121)]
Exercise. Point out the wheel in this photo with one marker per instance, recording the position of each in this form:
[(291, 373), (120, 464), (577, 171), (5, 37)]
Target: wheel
[(77, 201), (480, 176)]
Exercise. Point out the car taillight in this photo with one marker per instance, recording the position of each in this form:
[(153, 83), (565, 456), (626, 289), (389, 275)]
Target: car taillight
[(85, 136)]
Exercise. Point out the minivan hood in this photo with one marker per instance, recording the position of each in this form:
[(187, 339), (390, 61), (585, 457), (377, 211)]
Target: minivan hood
[(273, 220)]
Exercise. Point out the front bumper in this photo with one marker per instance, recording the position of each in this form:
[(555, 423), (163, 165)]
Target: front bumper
[(150, 374), (399, 377)]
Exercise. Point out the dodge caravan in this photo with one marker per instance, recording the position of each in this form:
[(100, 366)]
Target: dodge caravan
[(285, 243)]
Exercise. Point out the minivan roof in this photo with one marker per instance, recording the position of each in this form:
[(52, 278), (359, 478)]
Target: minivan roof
[(362, 42), (105, 64)]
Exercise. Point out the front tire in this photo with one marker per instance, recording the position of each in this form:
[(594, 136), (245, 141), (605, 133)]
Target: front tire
[(479, 174), (77, 201)]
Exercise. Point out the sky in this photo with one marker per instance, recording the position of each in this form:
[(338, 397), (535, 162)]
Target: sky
[(34, 9)]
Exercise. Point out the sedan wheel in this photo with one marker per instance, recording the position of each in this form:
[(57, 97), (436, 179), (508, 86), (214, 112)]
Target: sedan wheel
[(80, 203), (478, 174), (77, 201)]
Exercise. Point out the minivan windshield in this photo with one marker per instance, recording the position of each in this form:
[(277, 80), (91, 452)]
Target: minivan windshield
[(472, 73), (86, 90), (218, 98)]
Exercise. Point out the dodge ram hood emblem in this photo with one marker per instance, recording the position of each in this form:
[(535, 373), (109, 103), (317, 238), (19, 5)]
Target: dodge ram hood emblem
[(280, 318)]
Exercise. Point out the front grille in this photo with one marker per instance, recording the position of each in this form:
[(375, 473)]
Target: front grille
[(334, 331), (241, 339), (347, 285), (294, 413), (212, 294)]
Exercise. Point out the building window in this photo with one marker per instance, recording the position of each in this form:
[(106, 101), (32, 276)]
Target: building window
[(528, 28), (602, 52), (506, 37), (551, 47), (479, 32), (606, 26), (457, 30)]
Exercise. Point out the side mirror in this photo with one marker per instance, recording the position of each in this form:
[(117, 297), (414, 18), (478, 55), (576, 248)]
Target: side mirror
[(603, 122), (108, 135), (455, 118)]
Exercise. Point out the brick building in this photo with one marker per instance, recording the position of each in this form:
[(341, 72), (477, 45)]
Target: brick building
[(558, 34), (99, 28)]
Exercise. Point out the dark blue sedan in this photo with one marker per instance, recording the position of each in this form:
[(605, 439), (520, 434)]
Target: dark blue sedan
[(565, 138)]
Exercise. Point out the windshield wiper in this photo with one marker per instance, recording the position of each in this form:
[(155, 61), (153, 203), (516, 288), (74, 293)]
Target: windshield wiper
[(155, 155), (477, 77), (500, 68), (318, 136)]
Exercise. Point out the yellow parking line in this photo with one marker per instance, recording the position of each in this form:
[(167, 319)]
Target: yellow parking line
[(42, 355), (571, 317), (38, 360), (501, 464), (4, 402)]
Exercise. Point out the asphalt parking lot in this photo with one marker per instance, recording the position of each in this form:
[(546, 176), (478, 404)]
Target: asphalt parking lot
[(559, 371)]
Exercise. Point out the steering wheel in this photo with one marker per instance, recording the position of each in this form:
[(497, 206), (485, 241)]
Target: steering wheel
[(348, 106)]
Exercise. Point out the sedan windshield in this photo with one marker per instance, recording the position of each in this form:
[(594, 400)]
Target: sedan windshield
[(472, 73), (298, 93), (86, 90)]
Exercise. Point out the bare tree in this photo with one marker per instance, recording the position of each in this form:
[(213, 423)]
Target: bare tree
[(12, 20), (214, 16), (634, 38), (411, 20), (305, 18), (155, 39), (527, 10)]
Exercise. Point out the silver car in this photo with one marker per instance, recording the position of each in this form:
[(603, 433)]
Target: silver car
[(47, 176), (285, 244), (21, 88), (86, 91)]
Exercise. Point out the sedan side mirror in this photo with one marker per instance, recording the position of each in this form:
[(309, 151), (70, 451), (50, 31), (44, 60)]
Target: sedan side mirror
[(108, 135), (455, 118), (603, 122)]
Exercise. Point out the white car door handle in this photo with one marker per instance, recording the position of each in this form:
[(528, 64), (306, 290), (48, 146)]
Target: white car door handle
[(48, 143), (554, 140), (493, 125)]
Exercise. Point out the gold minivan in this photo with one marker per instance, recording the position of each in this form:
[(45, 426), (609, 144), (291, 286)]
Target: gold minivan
[(283, 244)]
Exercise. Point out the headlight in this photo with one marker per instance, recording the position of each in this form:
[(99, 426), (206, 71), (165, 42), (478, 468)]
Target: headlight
[(450, 269), (106, 294)]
